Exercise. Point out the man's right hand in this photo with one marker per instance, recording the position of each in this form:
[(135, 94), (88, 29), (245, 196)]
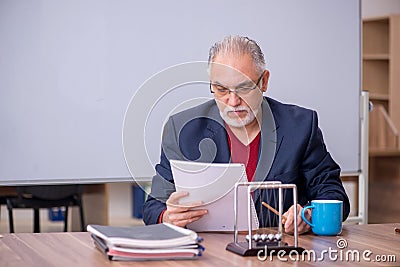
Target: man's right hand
[(182, 214)]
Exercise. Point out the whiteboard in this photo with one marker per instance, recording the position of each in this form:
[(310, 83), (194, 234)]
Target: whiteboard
[(69, 68)]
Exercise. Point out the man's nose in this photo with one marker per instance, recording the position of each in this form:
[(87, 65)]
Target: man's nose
[(233, 99)]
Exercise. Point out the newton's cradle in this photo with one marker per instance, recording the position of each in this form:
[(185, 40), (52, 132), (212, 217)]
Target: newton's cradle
[(271, 243)]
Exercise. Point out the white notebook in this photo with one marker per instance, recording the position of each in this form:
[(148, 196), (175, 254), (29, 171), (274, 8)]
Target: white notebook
[(214, 183)]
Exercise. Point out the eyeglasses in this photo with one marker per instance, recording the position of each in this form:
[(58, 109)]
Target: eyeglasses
[(219, 90)]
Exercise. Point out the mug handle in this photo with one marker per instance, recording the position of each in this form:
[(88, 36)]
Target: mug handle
[(304, 217)]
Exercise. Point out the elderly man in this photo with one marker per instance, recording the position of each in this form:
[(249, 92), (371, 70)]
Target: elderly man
[(238, 126)]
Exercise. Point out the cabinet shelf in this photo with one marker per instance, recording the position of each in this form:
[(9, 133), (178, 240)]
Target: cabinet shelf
[(384, 153), (382, 56), (376, 96)]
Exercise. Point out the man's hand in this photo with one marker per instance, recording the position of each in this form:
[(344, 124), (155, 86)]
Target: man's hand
[(182, 214), (302, 226)]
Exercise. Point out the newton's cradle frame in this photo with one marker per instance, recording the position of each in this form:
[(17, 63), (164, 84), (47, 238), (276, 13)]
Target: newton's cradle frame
[(266, 244)]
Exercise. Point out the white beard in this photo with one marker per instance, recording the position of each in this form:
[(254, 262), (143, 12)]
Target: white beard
[(236, 121)]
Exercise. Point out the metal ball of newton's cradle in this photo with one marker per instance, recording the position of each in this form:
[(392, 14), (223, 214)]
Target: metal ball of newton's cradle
[(256, 237), (264, 237), (271, 237), (278, 237)]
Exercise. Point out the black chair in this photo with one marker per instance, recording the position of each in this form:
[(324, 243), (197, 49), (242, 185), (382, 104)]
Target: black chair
[(46, 196)]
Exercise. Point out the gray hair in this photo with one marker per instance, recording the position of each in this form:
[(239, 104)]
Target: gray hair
[(238, 45)]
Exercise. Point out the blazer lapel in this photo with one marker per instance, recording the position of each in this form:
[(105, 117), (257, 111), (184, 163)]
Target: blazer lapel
[(269, 145), (217, 133)]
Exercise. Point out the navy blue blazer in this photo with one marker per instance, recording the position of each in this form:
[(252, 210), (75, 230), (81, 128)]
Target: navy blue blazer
[(292, 150)]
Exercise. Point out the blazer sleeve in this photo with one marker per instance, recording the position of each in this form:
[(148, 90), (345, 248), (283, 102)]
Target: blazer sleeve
[(162, 183), (321, 172)]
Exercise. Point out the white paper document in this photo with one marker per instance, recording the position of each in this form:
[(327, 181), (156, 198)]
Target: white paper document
[(214, 183)]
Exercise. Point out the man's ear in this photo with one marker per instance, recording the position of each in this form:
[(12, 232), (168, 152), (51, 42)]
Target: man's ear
[(265, 81)]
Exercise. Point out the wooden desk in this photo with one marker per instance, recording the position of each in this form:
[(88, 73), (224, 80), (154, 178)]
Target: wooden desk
[(76, 249)]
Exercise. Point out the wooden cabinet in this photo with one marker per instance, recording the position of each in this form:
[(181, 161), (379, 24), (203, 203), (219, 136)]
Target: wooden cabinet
[(381, 77)]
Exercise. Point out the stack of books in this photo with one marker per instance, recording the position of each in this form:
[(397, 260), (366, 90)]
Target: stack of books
[(151, 242)]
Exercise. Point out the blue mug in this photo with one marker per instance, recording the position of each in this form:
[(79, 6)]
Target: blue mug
[(326, 216)]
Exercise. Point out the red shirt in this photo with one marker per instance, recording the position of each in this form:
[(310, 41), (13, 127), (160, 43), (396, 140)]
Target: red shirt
[(246, 154)]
